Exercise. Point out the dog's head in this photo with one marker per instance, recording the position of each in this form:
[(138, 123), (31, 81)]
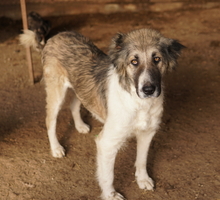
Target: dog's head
[(141, 57)]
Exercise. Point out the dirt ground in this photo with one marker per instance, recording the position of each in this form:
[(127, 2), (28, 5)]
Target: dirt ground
[(184, 158)]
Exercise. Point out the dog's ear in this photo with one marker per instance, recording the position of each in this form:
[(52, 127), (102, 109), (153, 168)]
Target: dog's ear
[(172, 49), (115, 47)]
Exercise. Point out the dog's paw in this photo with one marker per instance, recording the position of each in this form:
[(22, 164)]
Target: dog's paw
[(114, 196), (58, 152), (145, 184), (83, 128)]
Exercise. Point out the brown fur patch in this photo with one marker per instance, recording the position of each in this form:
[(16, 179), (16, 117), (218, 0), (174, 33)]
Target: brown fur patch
[(74, 57)]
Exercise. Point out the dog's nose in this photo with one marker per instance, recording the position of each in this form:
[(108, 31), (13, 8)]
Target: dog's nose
[(149, 89)]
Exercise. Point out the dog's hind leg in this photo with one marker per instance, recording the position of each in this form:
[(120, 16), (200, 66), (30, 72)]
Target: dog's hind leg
[(56, 91), (143, 144), (79, 124)]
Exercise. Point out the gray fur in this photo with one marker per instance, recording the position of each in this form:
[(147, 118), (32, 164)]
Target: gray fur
[(86, 65)]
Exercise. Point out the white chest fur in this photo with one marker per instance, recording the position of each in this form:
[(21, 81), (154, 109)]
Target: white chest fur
[(132, 112), (149, 116)]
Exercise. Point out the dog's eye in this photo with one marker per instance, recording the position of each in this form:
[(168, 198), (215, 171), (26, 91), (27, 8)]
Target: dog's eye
[(134, 62), (157, 59)]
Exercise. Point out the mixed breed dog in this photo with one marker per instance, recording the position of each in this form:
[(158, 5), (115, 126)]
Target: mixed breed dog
[(122, 89)]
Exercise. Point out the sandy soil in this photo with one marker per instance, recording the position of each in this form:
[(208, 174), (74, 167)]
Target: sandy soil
[(184, 157)]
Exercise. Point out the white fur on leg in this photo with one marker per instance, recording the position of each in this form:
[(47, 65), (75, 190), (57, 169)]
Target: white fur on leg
[(143, 144), (58, 152), (114, 196), (143, 180), (107, 148), (81, 127), (56, 149)]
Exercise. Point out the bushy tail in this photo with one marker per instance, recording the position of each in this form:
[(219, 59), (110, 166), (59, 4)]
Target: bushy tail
[(29, 39)]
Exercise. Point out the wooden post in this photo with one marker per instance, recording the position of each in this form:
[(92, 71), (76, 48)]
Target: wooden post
[(28, 49)]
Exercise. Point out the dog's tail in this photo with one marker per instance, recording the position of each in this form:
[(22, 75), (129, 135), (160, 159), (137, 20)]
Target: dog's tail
[(38, 29), (28, 39)]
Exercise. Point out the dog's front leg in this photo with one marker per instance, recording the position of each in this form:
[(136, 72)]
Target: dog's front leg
[(143, 144), (108, 145)]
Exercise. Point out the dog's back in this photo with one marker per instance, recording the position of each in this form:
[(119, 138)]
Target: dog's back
[(78, 61)]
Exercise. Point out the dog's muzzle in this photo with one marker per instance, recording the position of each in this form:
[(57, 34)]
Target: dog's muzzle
[(148, 83)]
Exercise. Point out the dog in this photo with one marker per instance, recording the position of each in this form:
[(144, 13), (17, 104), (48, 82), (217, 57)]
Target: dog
[(122, 89), (38, 29)]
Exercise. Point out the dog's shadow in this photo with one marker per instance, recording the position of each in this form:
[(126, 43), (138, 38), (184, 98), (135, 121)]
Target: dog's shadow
[(70, 133), (65, 123)]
